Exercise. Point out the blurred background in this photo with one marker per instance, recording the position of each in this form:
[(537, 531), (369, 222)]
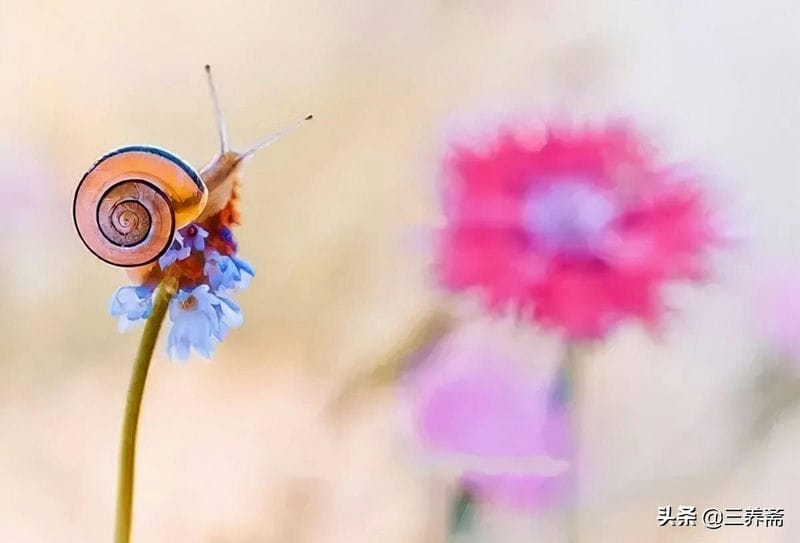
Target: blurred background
[(246, 448)]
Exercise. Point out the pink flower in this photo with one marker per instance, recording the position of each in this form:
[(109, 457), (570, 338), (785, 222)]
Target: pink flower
[(494, 421), (575, 230)]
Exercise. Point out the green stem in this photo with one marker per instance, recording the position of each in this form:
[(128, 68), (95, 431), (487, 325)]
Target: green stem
[(462, 515), (392, 365), (571, 369), (127, 454)]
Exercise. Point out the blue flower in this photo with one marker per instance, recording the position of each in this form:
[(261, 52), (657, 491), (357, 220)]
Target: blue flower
[(131, 304), (221, 271), (200, 320), (246, 272), (195, 323), (177, 251), (186, 239), (229, 314), (194, 237), (225, 272)]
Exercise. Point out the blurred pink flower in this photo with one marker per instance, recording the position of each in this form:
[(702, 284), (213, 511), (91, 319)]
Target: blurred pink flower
[(780, 313), (576, 230), (493, 421)]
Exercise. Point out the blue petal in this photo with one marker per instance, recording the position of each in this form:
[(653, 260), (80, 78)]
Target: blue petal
[(199, 241), (124, 324), (185, 334), (244, 266), (221, 272), (227, 273), (131, 304), (194, 328), (178, 250), (230, 316), (177, 345), (231, 312), (168, 259)]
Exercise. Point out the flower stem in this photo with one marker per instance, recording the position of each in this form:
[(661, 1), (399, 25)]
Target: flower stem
[(127, 454), (462, 515), (571, 369), (393, 364)]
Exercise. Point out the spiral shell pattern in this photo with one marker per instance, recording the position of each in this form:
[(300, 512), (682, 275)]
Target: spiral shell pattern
[(129, 204)]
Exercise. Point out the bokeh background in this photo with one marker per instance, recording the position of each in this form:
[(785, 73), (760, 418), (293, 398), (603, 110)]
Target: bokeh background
[(245, 449)]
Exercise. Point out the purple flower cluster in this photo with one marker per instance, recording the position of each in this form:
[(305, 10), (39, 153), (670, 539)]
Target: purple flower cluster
[(192, 238), (202, 312)]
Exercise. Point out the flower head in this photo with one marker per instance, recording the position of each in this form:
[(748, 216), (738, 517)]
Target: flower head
[(578, 231), (195, 236), (227, 272), (200, 319), (229, 315), (177, 251), (131, 304), (188, 239), (482, 411), (203, 259)]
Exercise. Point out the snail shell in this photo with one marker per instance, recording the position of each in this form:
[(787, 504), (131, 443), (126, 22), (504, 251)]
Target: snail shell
[(130, 202)]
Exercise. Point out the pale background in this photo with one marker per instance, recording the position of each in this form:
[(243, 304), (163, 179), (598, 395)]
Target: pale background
[(241, 450)]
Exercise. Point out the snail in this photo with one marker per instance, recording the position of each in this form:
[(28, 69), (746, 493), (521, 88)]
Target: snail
[(130, 203)]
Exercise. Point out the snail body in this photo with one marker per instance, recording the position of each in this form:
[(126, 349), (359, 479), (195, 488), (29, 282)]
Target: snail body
[(130, 203), (221, 176)]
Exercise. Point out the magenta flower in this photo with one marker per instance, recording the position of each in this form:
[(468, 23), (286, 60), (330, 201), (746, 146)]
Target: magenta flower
[(577, 230), (480, 411)]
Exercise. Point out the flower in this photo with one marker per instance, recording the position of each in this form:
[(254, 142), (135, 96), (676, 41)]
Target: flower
[(246, 272), (131, 304), (200, 319), (229, 315), (177, 251), (195, 237), (186, 240), (207, 269), (479, 409), (226, 272), (195, 323), (577, 231)]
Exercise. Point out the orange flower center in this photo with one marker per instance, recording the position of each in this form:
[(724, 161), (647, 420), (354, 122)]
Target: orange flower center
[(189, 303)]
